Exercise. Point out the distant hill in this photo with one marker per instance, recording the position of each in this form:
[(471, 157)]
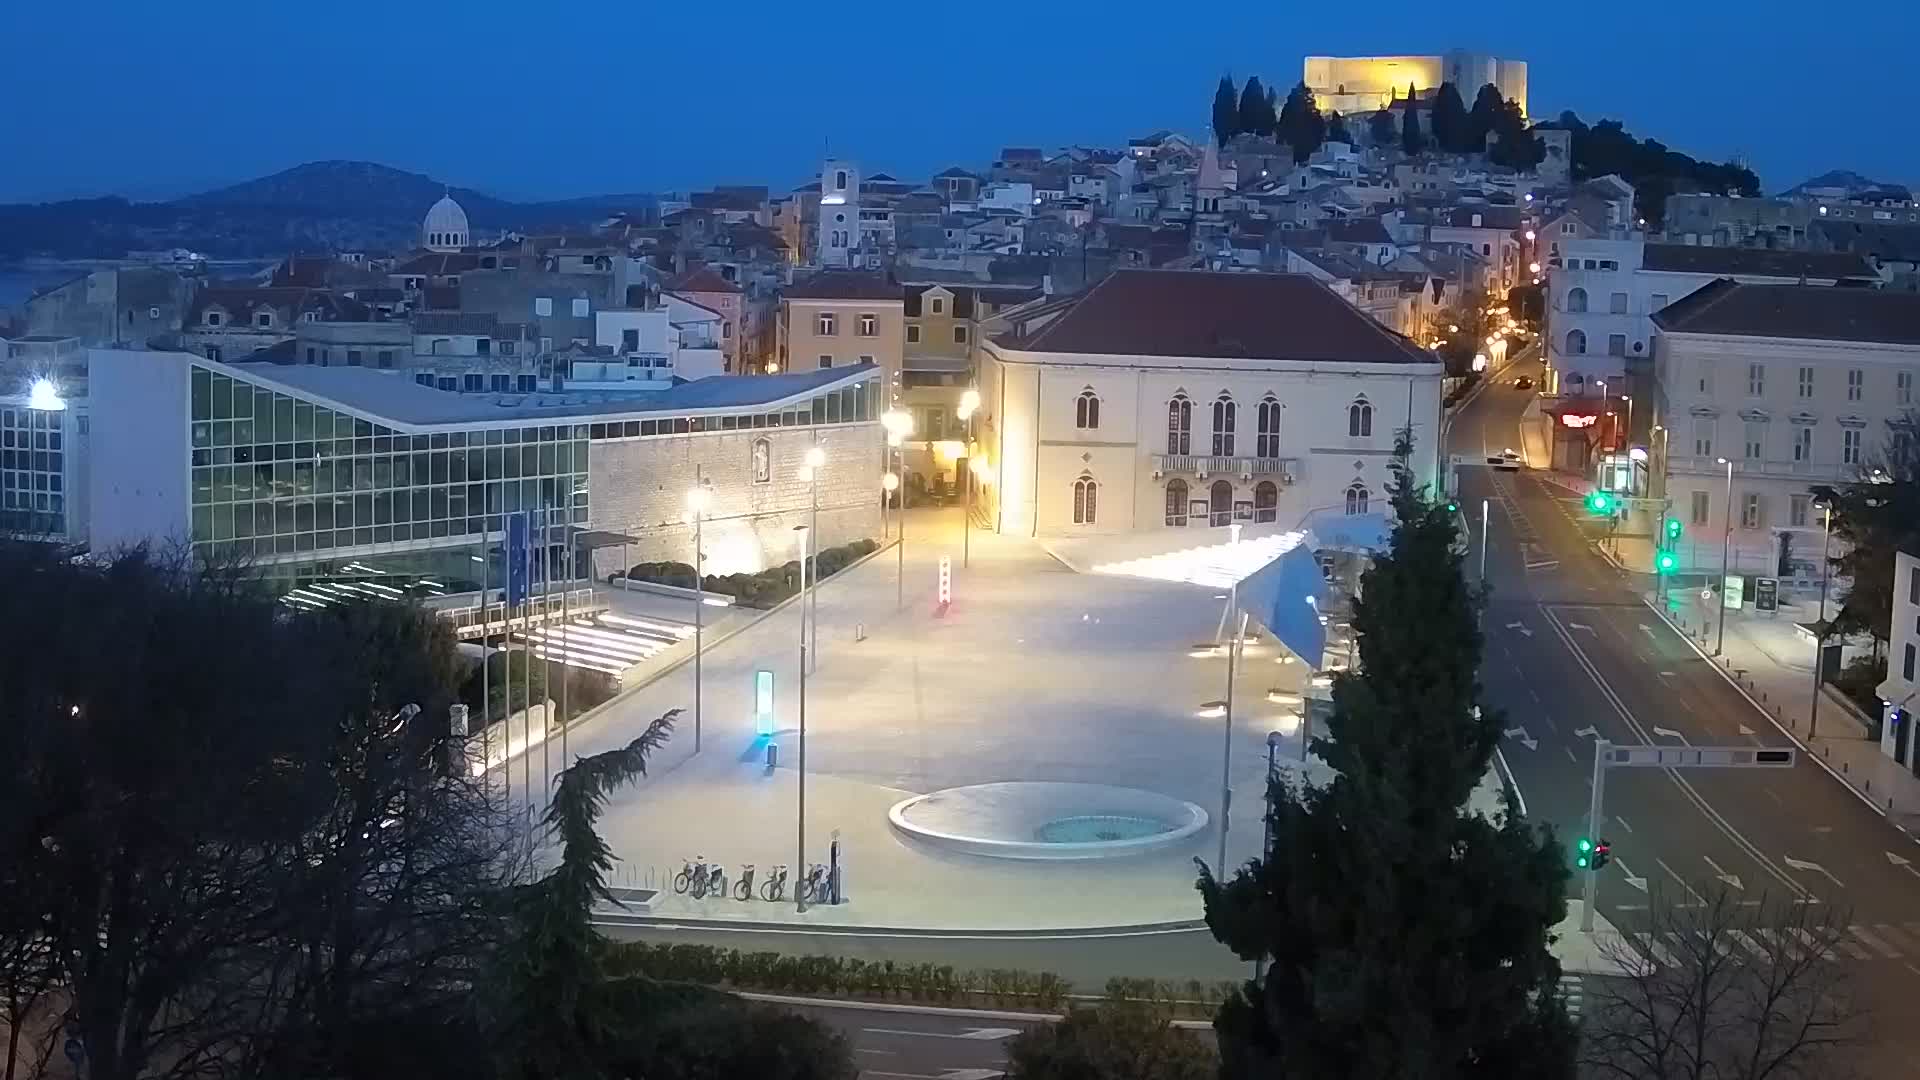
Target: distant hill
[(1845, 179), (355, 205)]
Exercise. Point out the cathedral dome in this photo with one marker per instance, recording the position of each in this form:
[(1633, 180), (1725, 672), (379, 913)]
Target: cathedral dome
[(445, 227)]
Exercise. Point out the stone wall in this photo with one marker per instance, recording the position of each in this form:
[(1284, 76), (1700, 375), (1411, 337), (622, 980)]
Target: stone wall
[(639, 487)]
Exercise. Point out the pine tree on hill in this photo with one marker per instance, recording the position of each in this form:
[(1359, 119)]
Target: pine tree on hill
[(1407, 936), (1226, 111), (1450, 121), (1487, 106), (1256, 117)]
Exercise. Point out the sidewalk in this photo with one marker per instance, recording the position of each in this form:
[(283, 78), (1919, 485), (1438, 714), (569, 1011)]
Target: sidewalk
[(1770, 659)]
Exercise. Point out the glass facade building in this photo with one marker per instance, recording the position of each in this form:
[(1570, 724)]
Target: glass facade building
[(33, 467)]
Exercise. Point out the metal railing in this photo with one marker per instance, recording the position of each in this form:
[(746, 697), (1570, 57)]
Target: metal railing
[(1203, 463), (477, 620), (1763, 468)]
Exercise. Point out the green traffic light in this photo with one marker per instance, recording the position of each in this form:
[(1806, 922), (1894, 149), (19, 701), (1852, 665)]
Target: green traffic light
[(1599, 502), (1673, 528), (1583, 847), (1665, 562)]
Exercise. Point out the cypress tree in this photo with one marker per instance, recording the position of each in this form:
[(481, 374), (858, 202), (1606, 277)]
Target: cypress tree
[(1408, 936), (1226, 111), (1254, 117), (1450, 121), (1410, 139)]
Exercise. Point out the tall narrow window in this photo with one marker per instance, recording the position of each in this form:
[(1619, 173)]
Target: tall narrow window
[(1266, 501), (1850, 446), (1220, 503), (1223, 425), (1180, 425), (824, 324), (1806, 382), (1576, 342), (1267, 421), (869, 325), (1357, 498), (1086, 411), (1577, 299), (1803, 443), (1177, 502), (1085, 493), (1699, 507), (1903, 387), (1856, 383), (1756, 439), (1756, 380), (1360, 419)]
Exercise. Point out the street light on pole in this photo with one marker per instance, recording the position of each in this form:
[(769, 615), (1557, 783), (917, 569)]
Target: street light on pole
[(800, 764), (1266, 834), (697, 501), (1820, 627), (1225, 706), (969, 404), (810, 604), (899, 425), (1726, 546)]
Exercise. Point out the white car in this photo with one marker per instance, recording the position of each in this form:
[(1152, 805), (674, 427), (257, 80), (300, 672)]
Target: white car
[(1506, 461)]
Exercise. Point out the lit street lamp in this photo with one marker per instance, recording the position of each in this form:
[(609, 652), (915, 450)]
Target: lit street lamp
[(969, 404), (800, 765), (698, 500), (899, 425), (1726, 545)]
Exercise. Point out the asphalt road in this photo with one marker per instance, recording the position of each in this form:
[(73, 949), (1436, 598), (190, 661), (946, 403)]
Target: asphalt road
[(1573, 655), (920, 1045)]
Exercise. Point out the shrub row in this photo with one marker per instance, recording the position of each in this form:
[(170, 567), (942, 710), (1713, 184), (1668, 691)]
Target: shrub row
[(885, 980), (762, 590)]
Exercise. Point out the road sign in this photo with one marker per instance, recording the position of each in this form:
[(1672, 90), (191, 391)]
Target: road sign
[(1698, 757)]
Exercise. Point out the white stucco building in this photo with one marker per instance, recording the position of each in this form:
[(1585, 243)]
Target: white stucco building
[(1791, 385), (1900, 690), (1182, 400), (1602, 293)]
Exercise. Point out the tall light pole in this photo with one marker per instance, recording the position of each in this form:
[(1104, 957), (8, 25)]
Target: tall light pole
[(810, 604), (800, 765), (969, 404), (899, 425), (1266, 833), (1239, 629), (1726, 546), (1629, 441), (1820, 627), (697, 501)]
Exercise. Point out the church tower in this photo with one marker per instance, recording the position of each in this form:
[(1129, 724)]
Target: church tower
[(838, 231), (445, 228)]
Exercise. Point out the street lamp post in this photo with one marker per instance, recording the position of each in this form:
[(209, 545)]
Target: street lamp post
[(899, 425), (1239, 629), (1820, 627), (1628, 444), (969, 404), (1266, 834), (800, 764), (810, 604), (697, 501), (1726, 546)]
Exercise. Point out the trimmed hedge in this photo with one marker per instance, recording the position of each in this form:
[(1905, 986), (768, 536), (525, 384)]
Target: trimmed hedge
[(764, 589), (885, 980)]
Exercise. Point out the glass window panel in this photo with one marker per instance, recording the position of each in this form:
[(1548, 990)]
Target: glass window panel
[(437, 503), (378, 534), (495, 469), (303, 541), (222, 397), (243, 483), (302, 420), (223, 523), (202, 523), (202, 435), (283, 418), (421, 510), (832, 408), (438, 461), (546, 459), (343, 512), (283, 523), (223, 485), (202, 398), (243, 524), (322, 423), (375, 509), (323, 514), (303, 516), (647, 427), (263, 521), (243, 433), (202, 488), (303, 477)]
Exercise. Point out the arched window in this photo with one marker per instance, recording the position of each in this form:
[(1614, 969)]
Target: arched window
[(1085, 491), (1356, 498), (1223, 423), (1086, 410), (1266, 501), (1177, 502), (1576, 342), (1180, 425), (1220, 503), (1576, 299), (1360, 419), (1267, 422)]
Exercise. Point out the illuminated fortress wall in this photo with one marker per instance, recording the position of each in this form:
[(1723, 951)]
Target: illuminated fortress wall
[(1349, 84)]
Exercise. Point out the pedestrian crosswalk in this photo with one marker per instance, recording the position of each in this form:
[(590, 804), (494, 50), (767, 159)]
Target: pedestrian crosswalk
[(1857, 942)]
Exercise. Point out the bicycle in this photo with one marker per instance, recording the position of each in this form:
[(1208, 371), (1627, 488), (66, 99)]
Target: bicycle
[(683, 881), (775, 887), (813, 887), (716, 882), (743, 889)]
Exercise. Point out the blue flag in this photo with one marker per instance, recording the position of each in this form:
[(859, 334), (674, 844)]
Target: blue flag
[(519, 533)]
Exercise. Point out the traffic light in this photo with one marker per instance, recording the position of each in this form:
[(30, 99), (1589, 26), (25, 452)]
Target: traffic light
[(1600, 502), (1673, 529), (1453, 506), (1583, 854), (1602, 853), (1665, 562)]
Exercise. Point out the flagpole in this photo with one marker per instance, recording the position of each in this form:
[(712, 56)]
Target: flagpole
[(546, 660), (526, 674), (486, 679), (566, 561)]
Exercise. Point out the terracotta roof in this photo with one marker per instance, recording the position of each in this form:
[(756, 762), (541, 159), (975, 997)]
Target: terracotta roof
[(1194, 313), (702, 279), (1759, 262), (1811, 312), (843, 285)]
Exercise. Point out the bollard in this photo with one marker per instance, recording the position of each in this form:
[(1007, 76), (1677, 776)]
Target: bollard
[(859, 631), (773, 757)]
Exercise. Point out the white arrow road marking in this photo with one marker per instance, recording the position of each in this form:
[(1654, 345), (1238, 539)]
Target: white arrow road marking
[(1668, 675), (974, 1034), (1580, 626), (1522, 627), (1637, 882), (1520, 733), (1903, 863), (1802, 864), (1669, 733), (1586, 731), (1747, 731), (1648, 630), (1546, 564), (1731, 879)]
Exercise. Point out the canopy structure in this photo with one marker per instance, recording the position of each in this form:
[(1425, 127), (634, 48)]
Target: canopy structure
[(1280, 584)]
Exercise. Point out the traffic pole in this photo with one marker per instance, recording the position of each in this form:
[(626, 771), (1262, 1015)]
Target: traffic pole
[(1592, 886)]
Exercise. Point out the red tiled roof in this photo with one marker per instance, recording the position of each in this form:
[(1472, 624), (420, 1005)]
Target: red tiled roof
[(844, 285), (702, 279), (1194, 313), (1810, 312)]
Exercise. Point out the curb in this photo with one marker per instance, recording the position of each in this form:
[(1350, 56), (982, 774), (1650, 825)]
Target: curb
[(958, 1012), (1057, 933)]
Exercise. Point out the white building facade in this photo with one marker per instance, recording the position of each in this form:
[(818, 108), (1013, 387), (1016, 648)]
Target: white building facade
[(1188, 400), (1769, 390)]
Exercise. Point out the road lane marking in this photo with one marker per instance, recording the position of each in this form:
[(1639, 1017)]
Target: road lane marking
[(1814, 867), (1623, 822), (1693, 795), (1571, 757), (1894, 937), (971, 1034), (1650, 947), (1875, 943), (883, 1053), (1740, 937), (1731, 879), (1675, 875)]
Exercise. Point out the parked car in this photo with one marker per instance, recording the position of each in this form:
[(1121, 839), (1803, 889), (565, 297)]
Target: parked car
[(1523, 383)]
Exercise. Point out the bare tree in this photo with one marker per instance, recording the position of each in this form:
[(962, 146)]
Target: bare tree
[(1725, 987)]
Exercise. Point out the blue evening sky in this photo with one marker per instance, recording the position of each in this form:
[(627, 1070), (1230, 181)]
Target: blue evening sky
[(552, 99)]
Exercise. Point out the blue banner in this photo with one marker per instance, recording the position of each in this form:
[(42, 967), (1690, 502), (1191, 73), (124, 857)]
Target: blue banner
[(519, 533)]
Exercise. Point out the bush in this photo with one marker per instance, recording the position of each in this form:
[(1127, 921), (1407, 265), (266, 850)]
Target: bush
[(762, 590), (832, 976), (506, 679), (1112, 1042), (663, 573), (672, 1031), (1860, 681)]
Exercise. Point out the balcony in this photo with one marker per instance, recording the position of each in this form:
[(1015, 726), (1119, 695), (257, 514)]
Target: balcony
[(1775, 470), (1287, 469)]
